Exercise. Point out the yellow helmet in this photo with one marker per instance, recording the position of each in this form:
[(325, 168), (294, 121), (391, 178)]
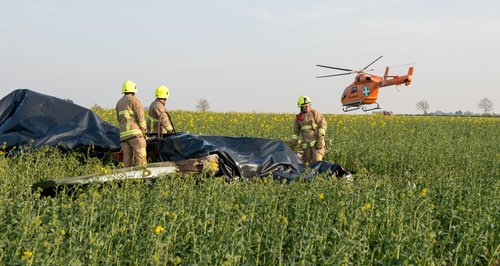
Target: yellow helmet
[(129, 86), (162, 92), (303, 100)]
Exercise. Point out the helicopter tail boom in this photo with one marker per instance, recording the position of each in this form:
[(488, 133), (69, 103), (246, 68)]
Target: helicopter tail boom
[(396, 80)]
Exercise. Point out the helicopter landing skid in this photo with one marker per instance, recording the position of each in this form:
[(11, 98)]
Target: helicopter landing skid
[(370, 109), (349, 108)]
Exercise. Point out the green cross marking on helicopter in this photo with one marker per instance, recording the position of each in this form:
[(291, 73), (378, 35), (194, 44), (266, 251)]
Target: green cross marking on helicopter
[(366, 91)]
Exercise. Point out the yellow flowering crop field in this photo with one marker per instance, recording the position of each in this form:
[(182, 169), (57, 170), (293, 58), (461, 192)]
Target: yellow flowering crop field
[(426, 192)]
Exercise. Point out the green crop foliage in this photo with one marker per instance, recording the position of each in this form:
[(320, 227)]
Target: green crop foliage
[(425, 193)]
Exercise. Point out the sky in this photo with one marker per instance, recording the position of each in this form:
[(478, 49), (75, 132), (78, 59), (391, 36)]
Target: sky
[(251, 56)]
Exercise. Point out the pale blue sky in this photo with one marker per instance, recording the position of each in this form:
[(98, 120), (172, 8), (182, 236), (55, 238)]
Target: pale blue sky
[(251, 55)]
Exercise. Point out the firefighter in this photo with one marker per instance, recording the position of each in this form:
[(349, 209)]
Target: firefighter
[(309, 131), (159, 122), (130, 115)]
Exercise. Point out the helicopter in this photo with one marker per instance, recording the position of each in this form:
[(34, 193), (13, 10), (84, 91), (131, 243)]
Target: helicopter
[(363, 92)]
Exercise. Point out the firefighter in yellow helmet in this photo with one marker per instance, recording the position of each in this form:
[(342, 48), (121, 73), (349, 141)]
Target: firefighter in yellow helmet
[(159, 122), (132, 124), (309, 129)]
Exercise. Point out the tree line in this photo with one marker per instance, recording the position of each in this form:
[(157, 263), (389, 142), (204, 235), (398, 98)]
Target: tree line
[(485, 105)]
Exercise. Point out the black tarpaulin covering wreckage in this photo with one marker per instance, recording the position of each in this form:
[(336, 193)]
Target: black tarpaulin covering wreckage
[(244, 157), (31, 119), (28, 118)]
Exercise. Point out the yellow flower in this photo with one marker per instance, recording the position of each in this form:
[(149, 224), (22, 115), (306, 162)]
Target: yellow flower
[(341, 217), (244, 217), (62, 232), (424, 192), (212, 167), (156, 258), (27, 255), (159, 229), (95, 195), (37, 221), (366, 207), (283, 219), (106, 170), (177, 260), (321, 196)]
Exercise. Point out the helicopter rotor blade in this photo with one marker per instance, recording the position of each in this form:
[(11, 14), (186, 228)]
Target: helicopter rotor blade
[(334, 75), (337, 68), (410, 64), (372, 63), (395, 66)]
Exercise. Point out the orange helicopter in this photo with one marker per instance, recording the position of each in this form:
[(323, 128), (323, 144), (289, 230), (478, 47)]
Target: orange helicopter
[(364, 90)]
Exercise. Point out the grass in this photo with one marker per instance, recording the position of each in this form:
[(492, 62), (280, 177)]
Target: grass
[(426, 192)]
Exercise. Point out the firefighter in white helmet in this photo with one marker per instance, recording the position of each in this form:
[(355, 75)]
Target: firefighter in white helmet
[(309, 129), (132, 124)]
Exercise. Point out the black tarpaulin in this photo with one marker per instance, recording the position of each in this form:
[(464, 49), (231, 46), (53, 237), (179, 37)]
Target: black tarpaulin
[(31, 119), (243, 156), (28, 118)]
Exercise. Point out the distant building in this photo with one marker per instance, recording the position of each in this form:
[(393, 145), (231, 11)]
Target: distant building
[(382, 112), (457, 113), (439, 112)]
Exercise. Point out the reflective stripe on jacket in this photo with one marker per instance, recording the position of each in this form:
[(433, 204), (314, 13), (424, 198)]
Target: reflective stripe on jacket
[(308, 126)]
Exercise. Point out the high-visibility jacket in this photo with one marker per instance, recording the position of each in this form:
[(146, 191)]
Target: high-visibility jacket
[(158, 116), (130, 116), (309, 127)]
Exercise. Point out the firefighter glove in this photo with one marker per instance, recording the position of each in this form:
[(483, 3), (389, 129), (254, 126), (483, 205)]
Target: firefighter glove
[(320, 141)]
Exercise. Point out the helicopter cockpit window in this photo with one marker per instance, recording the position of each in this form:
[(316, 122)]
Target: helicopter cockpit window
[(354, 89), (344, 94)]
